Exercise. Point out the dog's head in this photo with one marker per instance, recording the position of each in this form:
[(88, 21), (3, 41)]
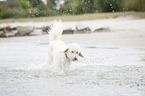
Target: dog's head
[(73, 52)]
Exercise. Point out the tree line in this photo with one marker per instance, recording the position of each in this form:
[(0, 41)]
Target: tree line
[(36, 8)]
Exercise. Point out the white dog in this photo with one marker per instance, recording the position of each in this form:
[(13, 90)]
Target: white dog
[(61, 55)]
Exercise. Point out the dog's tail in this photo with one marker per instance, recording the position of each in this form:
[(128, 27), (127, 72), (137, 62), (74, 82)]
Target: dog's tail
[(56, 31)]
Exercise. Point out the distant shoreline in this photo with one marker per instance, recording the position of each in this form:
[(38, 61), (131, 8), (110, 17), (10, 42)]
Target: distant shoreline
[(82, 17)]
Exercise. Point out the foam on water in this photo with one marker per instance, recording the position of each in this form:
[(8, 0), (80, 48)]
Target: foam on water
[(24, 64), (25, 56)]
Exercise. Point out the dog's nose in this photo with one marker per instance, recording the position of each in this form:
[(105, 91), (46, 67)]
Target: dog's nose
[(75, 58)]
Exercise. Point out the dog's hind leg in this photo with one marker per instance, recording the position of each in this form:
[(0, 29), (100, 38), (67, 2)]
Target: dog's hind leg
[(49, 60)]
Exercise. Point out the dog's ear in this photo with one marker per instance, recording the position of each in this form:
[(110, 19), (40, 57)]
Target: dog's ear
[(80, 54), (66, 50)]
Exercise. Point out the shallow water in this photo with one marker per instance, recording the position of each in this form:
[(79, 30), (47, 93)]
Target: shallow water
[(105, 71)]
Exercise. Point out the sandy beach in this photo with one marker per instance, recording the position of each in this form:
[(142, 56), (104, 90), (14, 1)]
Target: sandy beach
[(114, 63), (125, 32)]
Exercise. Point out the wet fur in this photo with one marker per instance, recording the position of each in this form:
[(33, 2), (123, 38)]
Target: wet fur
[(61, 55)]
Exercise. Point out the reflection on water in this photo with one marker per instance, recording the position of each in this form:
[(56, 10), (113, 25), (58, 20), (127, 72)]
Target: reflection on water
[(21, 71)]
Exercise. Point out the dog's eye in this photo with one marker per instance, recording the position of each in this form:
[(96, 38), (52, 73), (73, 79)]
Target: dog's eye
[(72, 51), (77, 52)]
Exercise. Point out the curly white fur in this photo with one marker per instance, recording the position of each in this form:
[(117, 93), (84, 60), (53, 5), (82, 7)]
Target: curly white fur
[(56, 31), (61, 55)]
